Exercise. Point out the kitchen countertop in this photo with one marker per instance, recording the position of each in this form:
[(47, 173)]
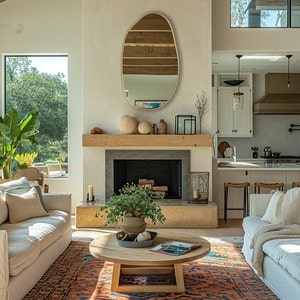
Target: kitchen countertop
[(255, 165)]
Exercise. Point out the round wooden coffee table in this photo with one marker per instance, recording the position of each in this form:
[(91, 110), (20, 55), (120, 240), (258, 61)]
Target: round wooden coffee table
[(144, 261)]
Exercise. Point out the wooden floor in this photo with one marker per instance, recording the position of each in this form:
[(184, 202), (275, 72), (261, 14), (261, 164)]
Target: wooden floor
[(232, 228)]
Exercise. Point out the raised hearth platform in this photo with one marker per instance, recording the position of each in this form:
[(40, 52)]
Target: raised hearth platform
[(179, 214)]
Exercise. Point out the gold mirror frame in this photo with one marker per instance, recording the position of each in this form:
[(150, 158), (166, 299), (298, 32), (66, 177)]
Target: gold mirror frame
[(150, 62)]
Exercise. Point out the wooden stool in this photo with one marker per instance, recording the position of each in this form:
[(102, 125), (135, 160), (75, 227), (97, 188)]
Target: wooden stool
[(296, 184), (258, 185), (243, 185)]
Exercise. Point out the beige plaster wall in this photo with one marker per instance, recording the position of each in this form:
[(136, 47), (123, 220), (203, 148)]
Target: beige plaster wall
[(105, 24), (50, 27)]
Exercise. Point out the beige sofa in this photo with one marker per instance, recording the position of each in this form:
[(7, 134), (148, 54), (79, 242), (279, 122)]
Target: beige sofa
[(28, 247), (281, 249)]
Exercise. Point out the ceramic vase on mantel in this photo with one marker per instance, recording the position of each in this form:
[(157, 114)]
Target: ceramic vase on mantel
[(162, 127), (133, 225)]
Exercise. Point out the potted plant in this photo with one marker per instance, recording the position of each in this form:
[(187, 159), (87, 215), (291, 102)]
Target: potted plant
[(13, 132), (132, 206)]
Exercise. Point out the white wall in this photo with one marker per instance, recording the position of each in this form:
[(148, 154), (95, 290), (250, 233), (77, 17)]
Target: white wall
[(51, 27), (95, 86), (105, 24)]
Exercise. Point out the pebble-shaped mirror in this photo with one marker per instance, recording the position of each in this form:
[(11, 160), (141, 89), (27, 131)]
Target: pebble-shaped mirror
[(150, 68)]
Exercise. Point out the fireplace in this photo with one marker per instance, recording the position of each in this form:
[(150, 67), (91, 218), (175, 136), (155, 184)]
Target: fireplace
[(166, 167)]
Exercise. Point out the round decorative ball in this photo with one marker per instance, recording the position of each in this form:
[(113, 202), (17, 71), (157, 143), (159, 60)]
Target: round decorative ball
[(143, 236), (144, 128), (128, 124)]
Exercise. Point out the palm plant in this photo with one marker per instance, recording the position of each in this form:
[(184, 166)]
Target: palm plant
[(13, 132)]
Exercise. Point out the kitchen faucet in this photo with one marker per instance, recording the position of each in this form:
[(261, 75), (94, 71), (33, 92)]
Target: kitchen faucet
[(234, 154)]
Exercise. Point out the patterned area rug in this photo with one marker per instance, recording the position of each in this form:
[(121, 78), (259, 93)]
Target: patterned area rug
[(223, 274)]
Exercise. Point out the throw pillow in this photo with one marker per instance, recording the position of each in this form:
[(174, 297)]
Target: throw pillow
[(3, 209), (291, 207), (24, 189), (25, 206), (14, 183), (273, 212)]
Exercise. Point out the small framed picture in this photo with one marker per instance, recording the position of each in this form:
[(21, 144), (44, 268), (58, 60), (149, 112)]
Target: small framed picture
[(185, 124)]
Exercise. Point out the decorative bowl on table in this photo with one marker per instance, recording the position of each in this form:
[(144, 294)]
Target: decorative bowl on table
[(142, 240)]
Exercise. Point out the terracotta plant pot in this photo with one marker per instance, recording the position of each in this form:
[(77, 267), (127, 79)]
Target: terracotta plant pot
[(133, 225)]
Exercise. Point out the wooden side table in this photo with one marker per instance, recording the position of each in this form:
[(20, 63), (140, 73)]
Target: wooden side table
[(144, 261)]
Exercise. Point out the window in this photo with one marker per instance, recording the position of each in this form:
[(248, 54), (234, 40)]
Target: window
[(265, 13), (40, 82)]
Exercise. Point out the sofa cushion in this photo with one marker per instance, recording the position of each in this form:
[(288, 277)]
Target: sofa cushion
[(25, 206), (291, 207), (3, 209), (273, 213), (252, 224), (24, 189), (286, 253), (23, 250), (14, 183)]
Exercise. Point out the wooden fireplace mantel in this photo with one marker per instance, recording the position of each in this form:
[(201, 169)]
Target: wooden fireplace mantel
[(152, 140)]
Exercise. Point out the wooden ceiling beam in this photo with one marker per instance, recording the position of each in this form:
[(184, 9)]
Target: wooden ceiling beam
[(144, 51), (151, 70), (134, 61), (149, 37)]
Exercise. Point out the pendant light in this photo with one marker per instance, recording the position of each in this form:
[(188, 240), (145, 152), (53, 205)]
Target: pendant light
[(288, 57), (238, 98)]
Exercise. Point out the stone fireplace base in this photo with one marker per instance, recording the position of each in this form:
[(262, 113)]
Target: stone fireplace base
[(179, 214)]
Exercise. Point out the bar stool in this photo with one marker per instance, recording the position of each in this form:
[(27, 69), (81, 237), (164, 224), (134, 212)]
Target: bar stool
[(296, 184), (258, 185), (243, 185)]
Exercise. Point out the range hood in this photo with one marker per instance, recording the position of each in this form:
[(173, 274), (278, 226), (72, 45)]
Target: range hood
[(279, 99)]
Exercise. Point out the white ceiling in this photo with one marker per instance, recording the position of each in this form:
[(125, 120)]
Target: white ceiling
[(226, 61)]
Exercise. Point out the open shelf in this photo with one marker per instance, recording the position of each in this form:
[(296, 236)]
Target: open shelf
[(152, 140)]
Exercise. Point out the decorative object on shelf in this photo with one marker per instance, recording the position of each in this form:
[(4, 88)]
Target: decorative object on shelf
[(254, 151), (238, 98), (153, 131), (222, 147), (198, 185), (144, 128), (133, 205), (162, 127), (185, 124), (200, 105), (128, 124), (90, 195), (96, 130), (228, 153)]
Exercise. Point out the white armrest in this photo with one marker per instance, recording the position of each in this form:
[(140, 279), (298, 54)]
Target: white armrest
[(4, 268), (258, 204), (58, 201)]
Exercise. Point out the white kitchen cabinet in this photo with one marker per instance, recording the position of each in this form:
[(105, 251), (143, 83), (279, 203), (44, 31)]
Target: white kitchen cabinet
[(234, 123)]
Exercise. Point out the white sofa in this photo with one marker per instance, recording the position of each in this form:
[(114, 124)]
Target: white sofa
[(29, 247), (281, 262)]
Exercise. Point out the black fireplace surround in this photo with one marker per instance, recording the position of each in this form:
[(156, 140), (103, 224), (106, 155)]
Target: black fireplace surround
[(166, 167)]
